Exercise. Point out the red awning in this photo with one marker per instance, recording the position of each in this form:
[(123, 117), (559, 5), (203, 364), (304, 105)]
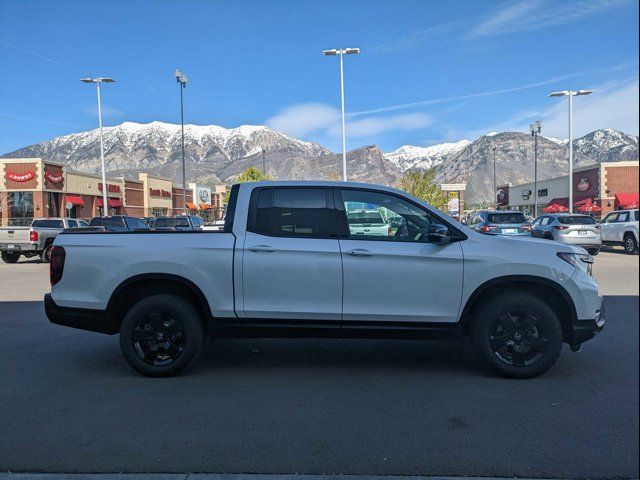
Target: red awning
[(584, 201), (74, 200), (563, 201), (205, 206), (191, 206), (626, 200), (112, 202)]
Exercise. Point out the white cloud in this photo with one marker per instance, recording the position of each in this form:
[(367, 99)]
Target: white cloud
[(531, 15), (304, 118), (107, 112), (321, 120), (613, 105)]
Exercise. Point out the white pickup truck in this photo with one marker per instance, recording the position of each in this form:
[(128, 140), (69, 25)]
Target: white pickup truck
[(287, 264), (621, 228)]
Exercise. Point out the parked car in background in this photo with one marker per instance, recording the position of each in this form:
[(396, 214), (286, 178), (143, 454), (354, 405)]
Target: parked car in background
[(118, 223), (500, 222), (288, 263), (368, 222), (621, 228), (574, 229), (35, 239), (149, 221), (178, 223)]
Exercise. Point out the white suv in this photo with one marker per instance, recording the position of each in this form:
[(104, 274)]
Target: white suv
[(621, 228)]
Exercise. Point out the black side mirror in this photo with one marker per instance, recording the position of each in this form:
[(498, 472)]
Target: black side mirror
[(439, 234)]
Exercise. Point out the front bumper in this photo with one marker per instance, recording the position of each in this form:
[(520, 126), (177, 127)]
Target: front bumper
[(583, 330), (82, 318)]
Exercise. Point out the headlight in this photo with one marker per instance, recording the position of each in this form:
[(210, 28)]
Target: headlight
[(583, 261)]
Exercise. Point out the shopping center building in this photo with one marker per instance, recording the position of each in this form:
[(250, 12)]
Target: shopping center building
[(36, 188), (597, 190)]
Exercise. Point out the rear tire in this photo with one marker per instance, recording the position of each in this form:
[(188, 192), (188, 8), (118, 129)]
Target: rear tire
[(517, 335), (593, 251), (45, 256), (630, 244), (12, 257), (161, 335)]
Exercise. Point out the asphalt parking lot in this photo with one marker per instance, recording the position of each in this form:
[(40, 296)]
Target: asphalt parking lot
[(70, 403)]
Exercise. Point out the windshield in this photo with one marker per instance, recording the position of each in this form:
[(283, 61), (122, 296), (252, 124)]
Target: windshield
[(507, 218), (576, 220)]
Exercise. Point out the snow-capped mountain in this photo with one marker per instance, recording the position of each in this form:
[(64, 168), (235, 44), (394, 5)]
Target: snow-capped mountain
[(409, 156), (605, 145), (156, 147)]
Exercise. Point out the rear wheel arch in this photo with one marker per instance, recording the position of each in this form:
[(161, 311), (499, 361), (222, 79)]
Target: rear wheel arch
[(547, 290), (136, 288)]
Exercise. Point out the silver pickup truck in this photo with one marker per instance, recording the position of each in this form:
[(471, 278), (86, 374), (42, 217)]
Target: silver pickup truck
[(34, 240)]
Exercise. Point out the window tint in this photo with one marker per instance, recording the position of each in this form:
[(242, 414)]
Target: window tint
[(114, 223), (72, 223), (135, 223), (545, 221), (611, 218), (623, 217), (95, 222), (507, 218), (48, 223), (636, 215), (401, 220), (160, 222), (576, 220), (294, 212), (82, 223)]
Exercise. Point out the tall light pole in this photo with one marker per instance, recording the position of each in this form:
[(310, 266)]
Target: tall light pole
[(341, 52), (570, 94), (495, 187), (182, 79), (535, 129), (98, 81)]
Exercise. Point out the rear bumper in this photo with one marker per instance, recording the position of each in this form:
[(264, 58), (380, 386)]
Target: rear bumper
[(82, 318), (18, 247), (590, 242), (583, 330)]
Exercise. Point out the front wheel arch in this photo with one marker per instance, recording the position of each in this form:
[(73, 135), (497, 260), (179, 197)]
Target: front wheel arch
[(547, 290)]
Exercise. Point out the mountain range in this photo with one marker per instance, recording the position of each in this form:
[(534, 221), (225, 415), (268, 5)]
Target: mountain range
[(215, 154)]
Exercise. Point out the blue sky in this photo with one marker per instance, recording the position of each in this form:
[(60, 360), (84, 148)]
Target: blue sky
[(429, 71)]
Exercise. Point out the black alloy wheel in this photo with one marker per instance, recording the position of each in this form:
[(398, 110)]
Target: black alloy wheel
[(516, 334), (518, 339), (10, 257), (158, 339), (161, 334)]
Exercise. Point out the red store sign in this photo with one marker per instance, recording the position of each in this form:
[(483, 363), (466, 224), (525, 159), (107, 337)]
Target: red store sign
[(53, 177), (158, 192), (113, 188), (21, 177)]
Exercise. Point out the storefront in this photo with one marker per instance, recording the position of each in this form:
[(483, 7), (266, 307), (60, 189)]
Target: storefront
[(30, 188), (177, 202), (597, 190), (157, 195), (83, 197)]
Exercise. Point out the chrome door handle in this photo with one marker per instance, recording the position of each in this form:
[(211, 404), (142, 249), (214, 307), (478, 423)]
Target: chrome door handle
[(262, 248), (359, 252)]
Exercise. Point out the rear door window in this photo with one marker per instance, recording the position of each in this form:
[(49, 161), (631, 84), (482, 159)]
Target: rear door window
[(72, 223), (623, 217), (293, 212), (114, 223)]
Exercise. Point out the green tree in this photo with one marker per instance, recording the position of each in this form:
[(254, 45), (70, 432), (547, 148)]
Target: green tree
[(251, 174), (422, 184)]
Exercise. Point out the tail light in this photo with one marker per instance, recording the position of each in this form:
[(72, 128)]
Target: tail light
[(33, 236), (390, 230), (560, 227), (488, 228), (56, 266), (526, 228)]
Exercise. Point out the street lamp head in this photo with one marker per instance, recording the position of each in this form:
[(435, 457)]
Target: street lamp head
[(88, 80), (106, 80), (539, 126), (330, 52), (584, 92), (177, 74), (562, 93), (352, 51)]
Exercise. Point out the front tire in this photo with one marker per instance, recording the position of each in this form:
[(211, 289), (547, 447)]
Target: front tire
[(161, 335), (517, 335), (10, 257), (630, 244)]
